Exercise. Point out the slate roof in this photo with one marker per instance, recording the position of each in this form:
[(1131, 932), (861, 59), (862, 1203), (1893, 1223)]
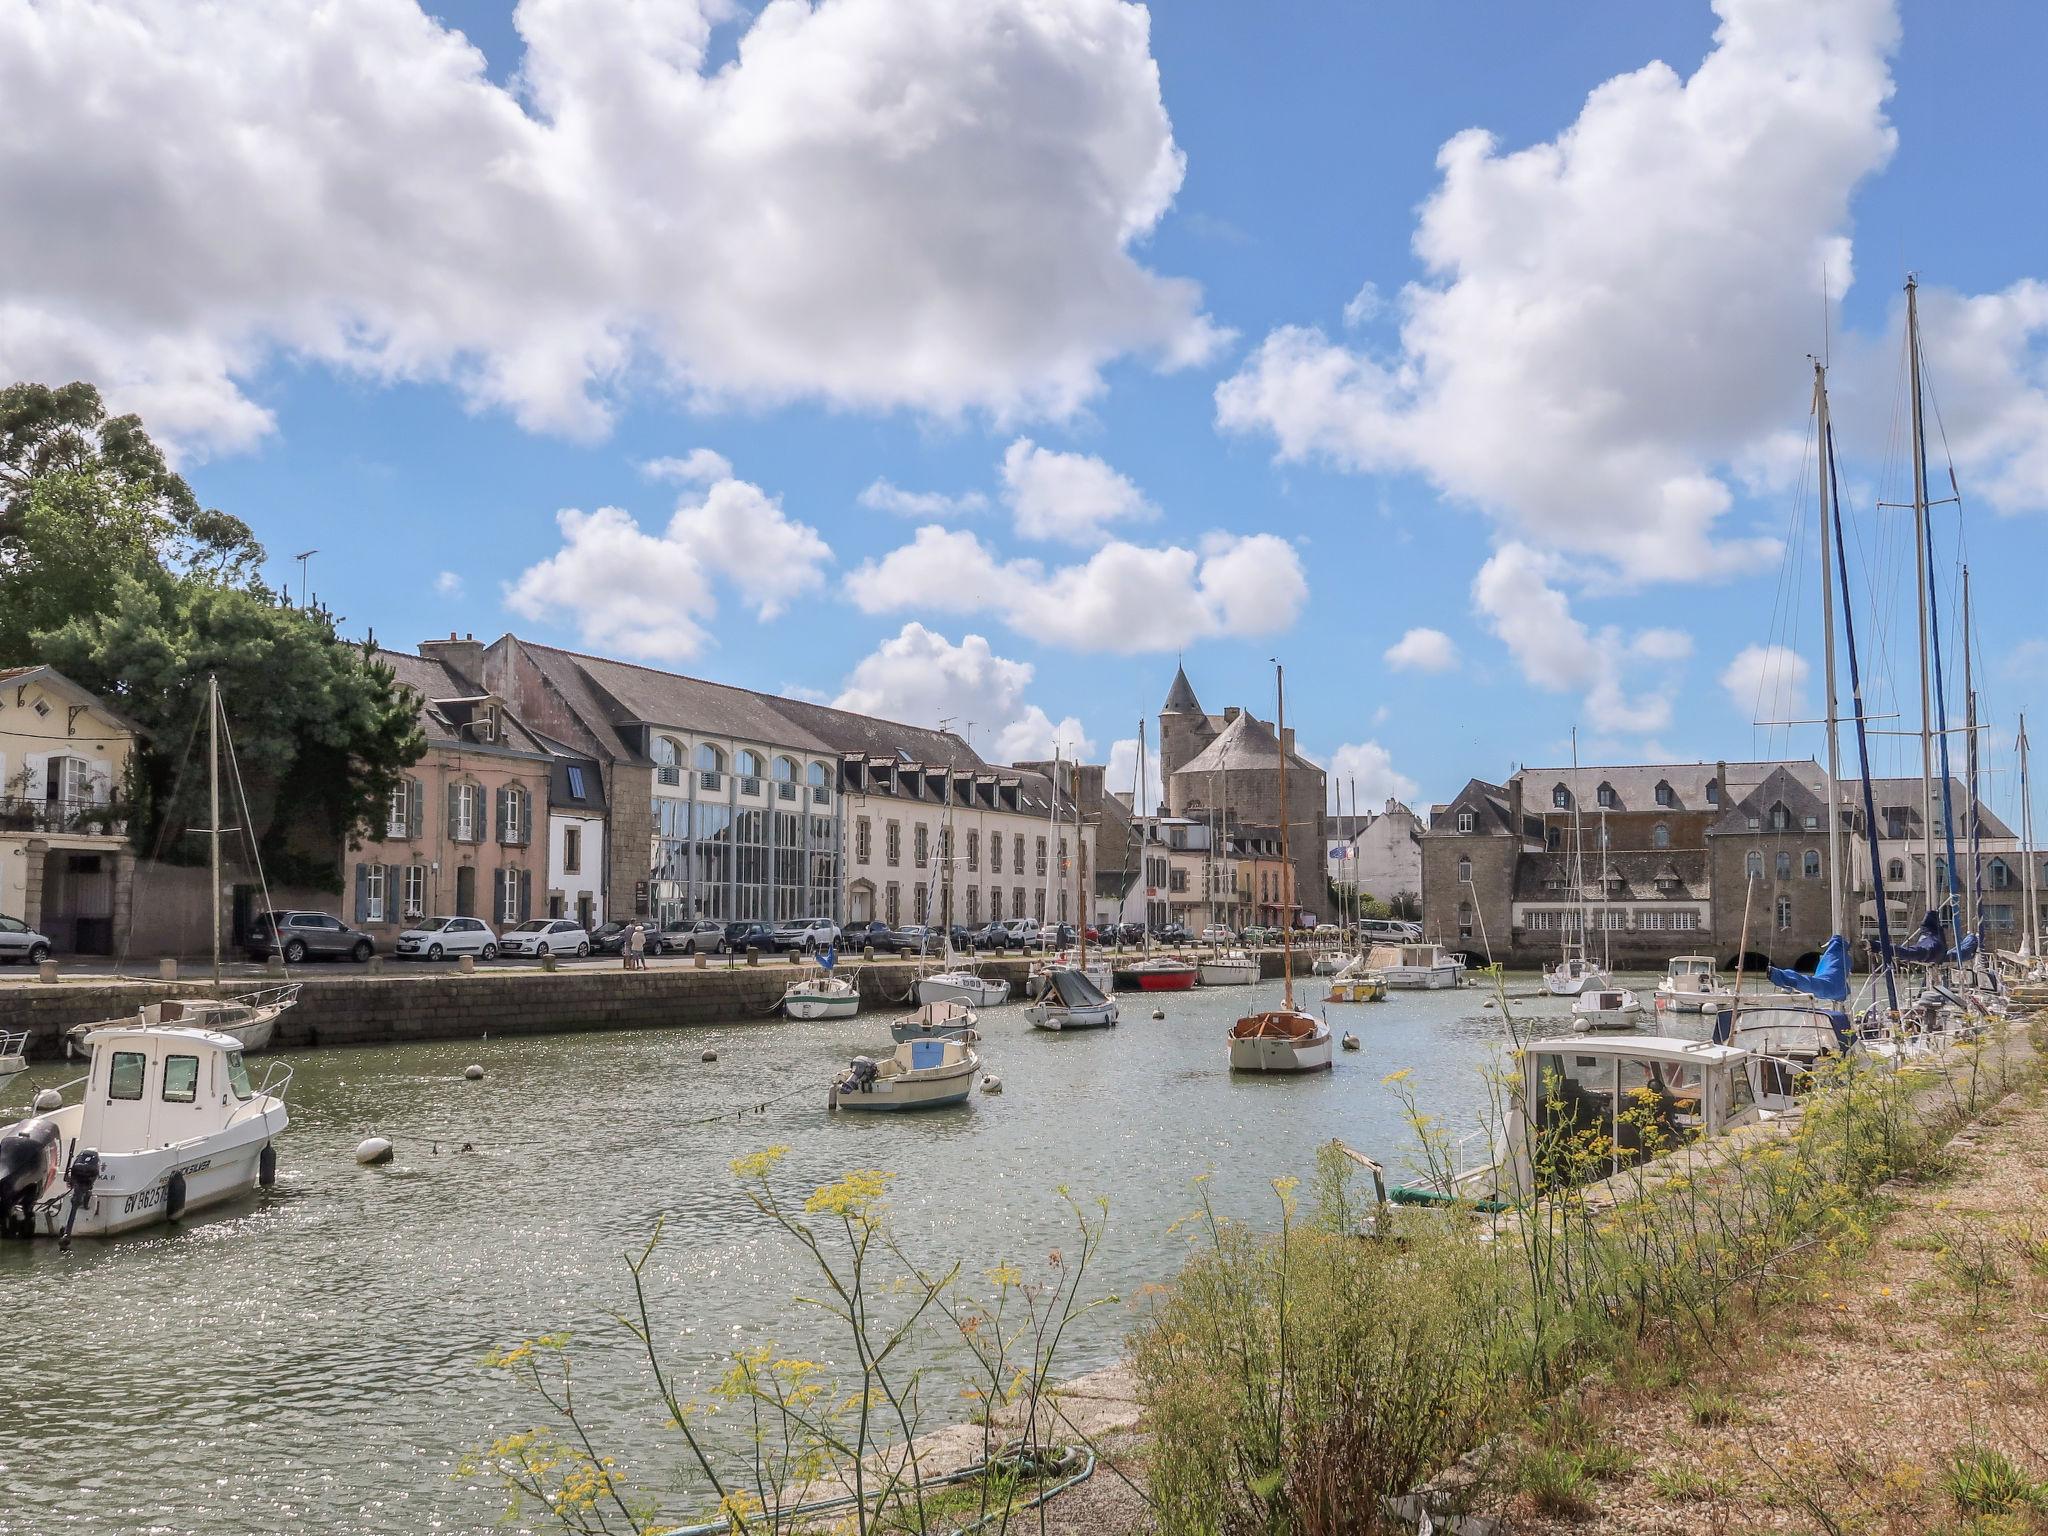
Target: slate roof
[(1631, 876), (1180, 698), (1906, 792), (869, 736), (447, 703), (1635, 784), (1246, 742), (647, 695), (1487, 802), (1780, 787)]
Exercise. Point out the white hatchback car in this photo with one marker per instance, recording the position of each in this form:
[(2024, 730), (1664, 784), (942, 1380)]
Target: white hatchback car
[(18, 941), (544, 936), (434, 937)]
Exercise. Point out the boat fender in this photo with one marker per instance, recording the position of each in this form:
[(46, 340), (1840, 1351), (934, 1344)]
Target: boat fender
[(373, 1150), (474, 1072), (266, 1165), (28, 1166), (83, 1173), (48, 1102), (174, 1195)]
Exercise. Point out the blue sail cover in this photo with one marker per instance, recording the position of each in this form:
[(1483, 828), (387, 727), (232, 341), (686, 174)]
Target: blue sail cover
[(829, 957), (1928, 946), (1830, 979), (1969, 947)]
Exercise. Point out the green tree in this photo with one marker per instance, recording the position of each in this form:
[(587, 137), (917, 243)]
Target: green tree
[(319, 729)]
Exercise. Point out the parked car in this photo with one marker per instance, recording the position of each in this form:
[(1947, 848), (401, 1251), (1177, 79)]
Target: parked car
[(689, 936), (807, 935), (545, 936), (741, 937), (434, 938), (1170, 933), (1389, 930), (610, 938), (989, 936), (876, 934), (1023, 932), (916, 939), (307, 935), (18, 941), (1217, 933), (1064, 936)]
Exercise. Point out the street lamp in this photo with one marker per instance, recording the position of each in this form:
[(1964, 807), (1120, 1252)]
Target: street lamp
[(302, 557)]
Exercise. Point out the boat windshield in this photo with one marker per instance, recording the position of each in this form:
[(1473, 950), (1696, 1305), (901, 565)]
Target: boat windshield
[(238, 1075)]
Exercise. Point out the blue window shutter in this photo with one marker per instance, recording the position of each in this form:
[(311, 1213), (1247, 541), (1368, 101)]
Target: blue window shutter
[(525, 894), (362, 893), (498, 895)]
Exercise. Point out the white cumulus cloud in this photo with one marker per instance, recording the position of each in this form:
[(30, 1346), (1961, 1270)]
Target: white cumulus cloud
[(920, 677), (448, 584), (1369, 768), (649, 594), (1422, 650), (876, 204), (1067, 496), (1125, 598), (1766, 683), (1120, 777), (700, 466), (926, 506), (1604, 323)]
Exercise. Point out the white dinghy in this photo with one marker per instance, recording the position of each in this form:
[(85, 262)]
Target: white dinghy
[(167, 1123), (1072, 1001), (821, 994), (1232, 968), (962, 986), (936, 1021), (1608, 1007), (918, 1074)]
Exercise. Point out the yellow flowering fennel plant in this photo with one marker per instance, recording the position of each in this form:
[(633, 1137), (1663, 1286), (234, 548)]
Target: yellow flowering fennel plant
[(775, 1431)]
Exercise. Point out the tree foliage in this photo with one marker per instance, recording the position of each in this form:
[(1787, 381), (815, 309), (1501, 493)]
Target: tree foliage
[(112, 572)]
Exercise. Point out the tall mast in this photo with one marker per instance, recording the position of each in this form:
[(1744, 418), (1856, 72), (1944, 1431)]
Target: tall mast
[(1286, 864), (1351, 866), (1921, 588), (1144, 842), (1973, 891), (1931, 648), (1838, 877), (1578, 850), (213, 818), (2032, 928), (1085, 900)]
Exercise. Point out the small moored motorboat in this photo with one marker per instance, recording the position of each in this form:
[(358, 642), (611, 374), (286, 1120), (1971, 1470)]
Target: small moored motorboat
[(1096, 970), (1607, 1008), (1358, 986), (1573, 975), (1072, 1001), (1280, 1040), (918, 1074), (1161, 973), (962, 986), (1232, 968), (247, 1018), (1333, 962), (935, 1021), (1422, 968), (1692, 984), (821, 995), (167, 1123)]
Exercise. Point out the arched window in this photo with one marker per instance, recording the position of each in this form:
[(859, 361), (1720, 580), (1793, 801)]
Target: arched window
[(1464, 871), (821, 786), (783, 771), (747, 765), (1784, 866), (1895, 872), (1660, 836), (710, 766), (668, 760), (1756, 865), (1780, 818), (1560, 797), (1811, 864)]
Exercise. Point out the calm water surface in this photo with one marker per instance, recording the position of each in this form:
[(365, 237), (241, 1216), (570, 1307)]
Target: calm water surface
[(310, 1359)]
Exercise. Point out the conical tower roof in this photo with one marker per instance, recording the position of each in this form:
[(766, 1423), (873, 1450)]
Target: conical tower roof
[(1244, 743), (1180, 698)]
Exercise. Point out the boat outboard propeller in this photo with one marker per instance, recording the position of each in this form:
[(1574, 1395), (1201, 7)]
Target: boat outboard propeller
[(83, 1173), (28, 1156)]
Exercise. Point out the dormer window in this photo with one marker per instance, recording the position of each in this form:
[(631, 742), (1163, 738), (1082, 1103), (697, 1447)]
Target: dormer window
[(1665, 796), (1560, 797), (1780, 818), (1605, 795), (1713, 791), (1465, 821)]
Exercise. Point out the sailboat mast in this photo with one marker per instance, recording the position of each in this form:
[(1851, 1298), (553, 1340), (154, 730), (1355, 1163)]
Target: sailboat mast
[(1972, 892), (1578, 851), (1838, 877), (2032, 928), (1286, 863), (1921, 588), (213, 817), (1351, 866)]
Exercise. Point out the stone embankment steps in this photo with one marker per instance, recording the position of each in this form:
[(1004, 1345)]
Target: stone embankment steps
[(343, 1004)]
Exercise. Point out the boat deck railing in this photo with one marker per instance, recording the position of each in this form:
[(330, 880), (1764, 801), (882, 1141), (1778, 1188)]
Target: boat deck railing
[(277, 1078), (14, 1043)]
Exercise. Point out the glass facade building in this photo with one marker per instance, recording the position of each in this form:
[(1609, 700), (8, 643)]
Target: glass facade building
[(716, 857)]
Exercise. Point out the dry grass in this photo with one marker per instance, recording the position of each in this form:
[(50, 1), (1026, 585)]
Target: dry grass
[(1906, 1392)]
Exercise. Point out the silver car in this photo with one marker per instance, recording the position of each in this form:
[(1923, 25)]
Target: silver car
[(433, 937), (544, 936), (18, 941)]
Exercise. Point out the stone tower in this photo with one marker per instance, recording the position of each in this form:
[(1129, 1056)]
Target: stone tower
[(1184, 728)]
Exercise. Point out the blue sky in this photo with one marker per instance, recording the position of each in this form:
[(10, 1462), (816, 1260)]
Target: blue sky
[(333, 398)]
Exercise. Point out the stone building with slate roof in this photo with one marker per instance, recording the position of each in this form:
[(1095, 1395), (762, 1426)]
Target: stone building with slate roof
[(1228, 765)]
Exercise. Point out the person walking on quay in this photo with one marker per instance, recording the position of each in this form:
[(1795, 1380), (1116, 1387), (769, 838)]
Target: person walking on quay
[(636, 948)]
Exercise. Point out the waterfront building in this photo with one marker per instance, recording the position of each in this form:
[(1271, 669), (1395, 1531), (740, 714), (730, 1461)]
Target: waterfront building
[(1722, 858), (576, 862), (65, 864), (1378, 854), (1228, 766), (466, 831)]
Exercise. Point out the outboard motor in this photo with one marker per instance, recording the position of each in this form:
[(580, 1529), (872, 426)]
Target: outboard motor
[(28, 1166), (83, 1173)]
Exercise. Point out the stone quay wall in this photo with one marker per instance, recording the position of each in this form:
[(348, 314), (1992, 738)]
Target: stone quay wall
[(390, 1006)]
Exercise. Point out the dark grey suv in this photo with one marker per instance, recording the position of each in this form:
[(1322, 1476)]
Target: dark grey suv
[(306, 936)]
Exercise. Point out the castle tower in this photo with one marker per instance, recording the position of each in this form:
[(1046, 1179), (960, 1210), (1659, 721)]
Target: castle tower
[(1184, 730)]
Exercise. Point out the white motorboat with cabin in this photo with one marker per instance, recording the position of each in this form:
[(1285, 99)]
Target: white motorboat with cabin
[(247, 1018), (1693, 984), (1421, 968), (1072, 1001), (1333, 962), (1357, 986), (1572, 975), (1287, 1038), (936, 1021), (167, 1122), (821, 994), (1608, 1007), (1097, 971), (960, 985), (1230, 968), (918, 1074)]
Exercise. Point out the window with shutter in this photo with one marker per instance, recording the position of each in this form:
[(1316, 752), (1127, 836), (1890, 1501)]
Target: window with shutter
[(525, 894), (362, 893), (415, 808), (498, 906)]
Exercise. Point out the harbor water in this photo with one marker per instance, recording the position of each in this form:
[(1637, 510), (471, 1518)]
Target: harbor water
[(312, 1358)]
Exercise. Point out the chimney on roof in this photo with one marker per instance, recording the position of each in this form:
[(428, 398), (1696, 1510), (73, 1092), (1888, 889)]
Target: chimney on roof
[(1515, 806), (1230, 713), (1721, 779), (465, 658)]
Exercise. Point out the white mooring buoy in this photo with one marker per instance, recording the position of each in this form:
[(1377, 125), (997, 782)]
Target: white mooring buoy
[(1158, 1013), (48, 1102), (711, 1055), (473, 1072), (990, 1083), (373, 1150), (1350, 1041)]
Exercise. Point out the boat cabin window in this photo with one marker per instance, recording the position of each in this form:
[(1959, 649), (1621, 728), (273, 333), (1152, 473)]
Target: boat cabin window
[(1737, 1095), (238, 1075), (124, 1075), (181, 1079)]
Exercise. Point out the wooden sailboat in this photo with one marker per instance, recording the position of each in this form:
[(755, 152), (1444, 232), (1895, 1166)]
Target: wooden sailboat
[(1287, 1038)]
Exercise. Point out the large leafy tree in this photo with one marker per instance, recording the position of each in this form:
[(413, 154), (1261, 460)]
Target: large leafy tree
[(112, 572)]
